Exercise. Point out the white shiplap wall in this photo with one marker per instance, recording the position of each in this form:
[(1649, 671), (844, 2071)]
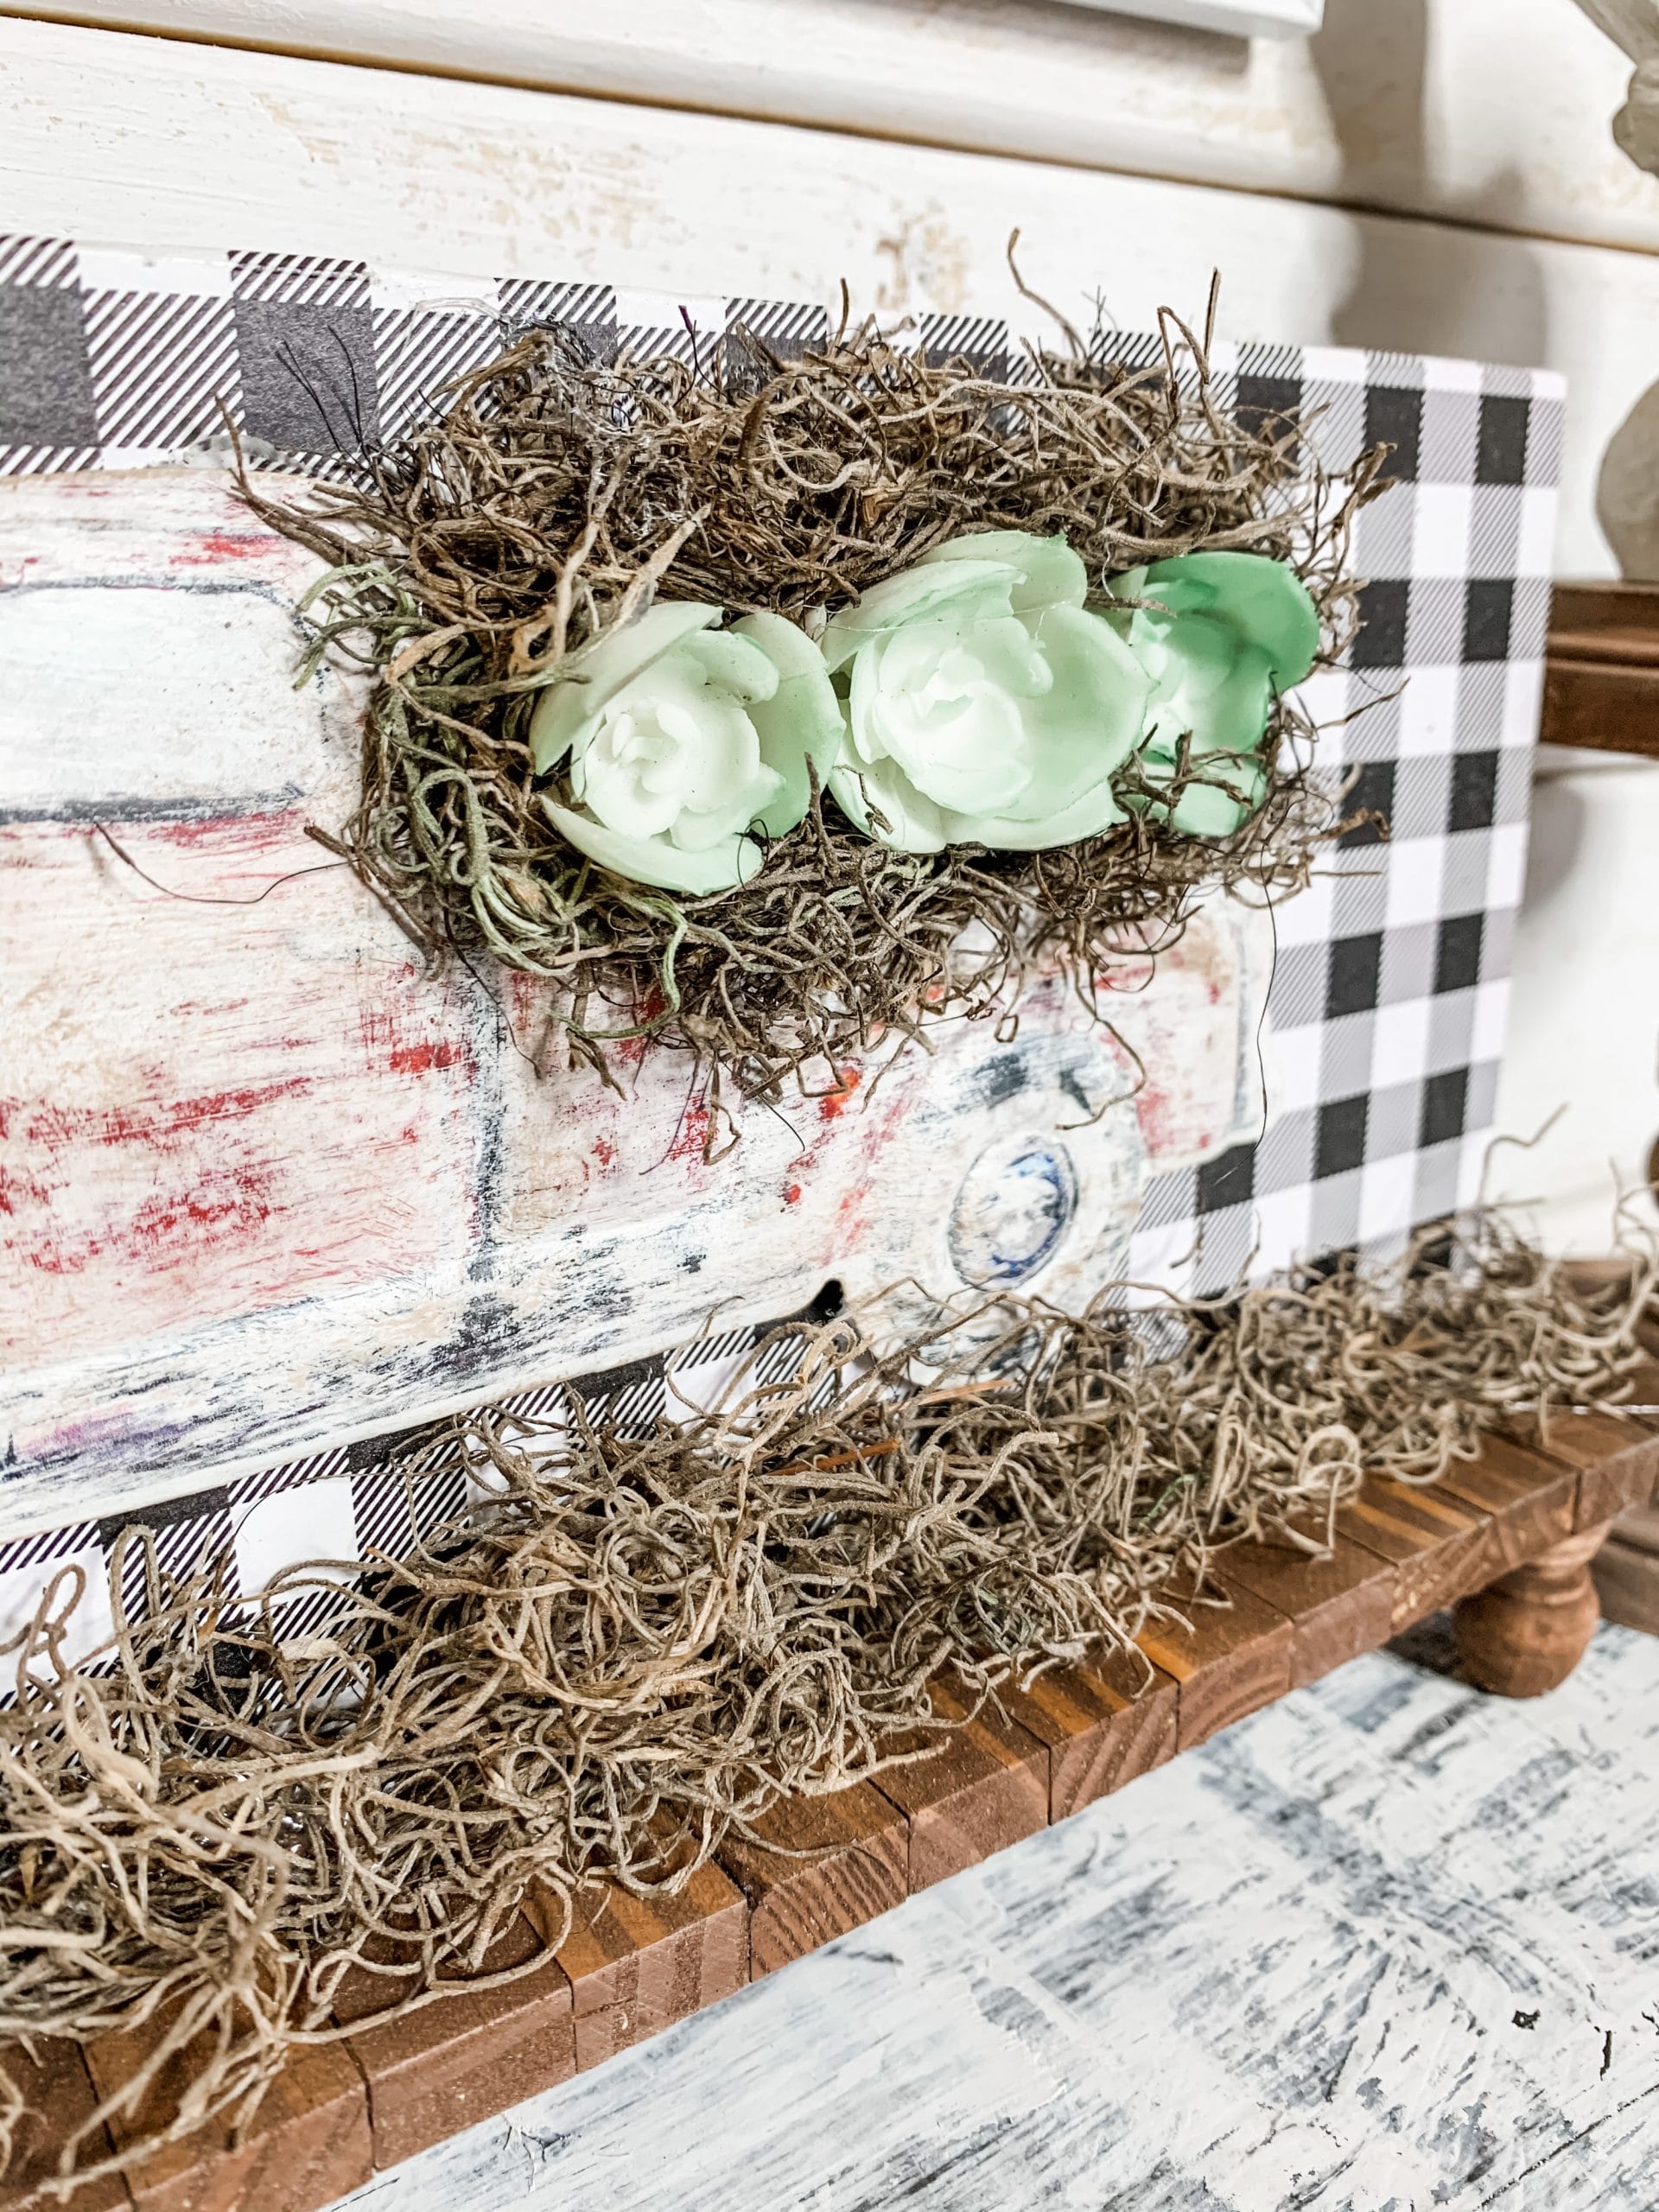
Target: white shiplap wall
[(1431, 175)]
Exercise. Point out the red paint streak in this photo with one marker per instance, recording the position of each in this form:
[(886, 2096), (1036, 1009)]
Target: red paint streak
[(1154, 1108), (20, 1189), (421, 1059), (158, 1127), (273, 836), (604, 1151), (831, 1104), (792, 1194), (224, 545), (691, 1138), (172, 1227), (379, 1031)]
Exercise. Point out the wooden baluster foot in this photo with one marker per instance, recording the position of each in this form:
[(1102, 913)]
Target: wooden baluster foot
[(1527, 1632)]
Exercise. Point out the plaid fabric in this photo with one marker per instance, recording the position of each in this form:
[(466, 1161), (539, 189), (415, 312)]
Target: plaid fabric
[(377, 1497), (1389, 1000)]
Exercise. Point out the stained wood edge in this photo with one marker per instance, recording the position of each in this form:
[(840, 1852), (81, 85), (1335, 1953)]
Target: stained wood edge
[(1038, 1752), (1601, 670)]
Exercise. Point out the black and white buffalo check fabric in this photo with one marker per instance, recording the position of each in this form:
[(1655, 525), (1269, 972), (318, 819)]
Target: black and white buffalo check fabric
[(1389, 1000)]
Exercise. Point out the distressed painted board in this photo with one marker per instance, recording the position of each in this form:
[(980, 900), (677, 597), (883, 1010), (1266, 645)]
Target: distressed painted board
[(1390, 1943), (268, 1183), (1490, 112), (173, 146)]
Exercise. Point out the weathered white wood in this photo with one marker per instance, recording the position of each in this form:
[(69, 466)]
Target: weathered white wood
[(1234, 18), (1491, 111), (1388, 1943), (267, 1186), (170, 145)]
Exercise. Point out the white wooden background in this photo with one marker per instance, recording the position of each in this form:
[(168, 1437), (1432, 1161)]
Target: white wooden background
[(1427, 174)]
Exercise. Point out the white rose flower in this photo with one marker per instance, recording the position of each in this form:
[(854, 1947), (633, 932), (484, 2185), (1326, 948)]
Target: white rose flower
[(676, 740), (984, 703)]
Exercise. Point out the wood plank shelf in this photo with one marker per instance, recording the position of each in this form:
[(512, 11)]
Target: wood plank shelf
[(1501, 1535), (1601, 671)]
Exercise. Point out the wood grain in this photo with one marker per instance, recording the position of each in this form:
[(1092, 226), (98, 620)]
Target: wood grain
[(1510, 89), (1616, 1461), (1233, 1657), (308, 2143), (859, 1867), (1531, 1501), (1626, 1570), (636, 1966), (1439, 1545), (1524, 1634), (1104, 1722), (463, 2058), (1337, 1607), (986, 1787), (57, 2094), (1601, 676)]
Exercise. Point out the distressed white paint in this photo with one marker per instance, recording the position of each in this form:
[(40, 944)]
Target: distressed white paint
[(1234, 18), (1489, 111), (173, 146), (269, 1186), (1284, 1971)]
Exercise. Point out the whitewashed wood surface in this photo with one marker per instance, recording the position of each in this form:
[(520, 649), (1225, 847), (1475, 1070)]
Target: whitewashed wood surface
[(167, 145), (1487, 111), (1389, 1945), (269, 1186)]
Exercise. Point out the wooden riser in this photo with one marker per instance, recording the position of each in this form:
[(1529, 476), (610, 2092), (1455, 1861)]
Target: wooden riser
[(1272, 1620)]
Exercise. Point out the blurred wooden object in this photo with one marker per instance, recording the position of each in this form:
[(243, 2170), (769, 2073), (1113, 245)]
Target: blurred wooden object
[(1627, 1570), (1526, 1632), (1601, 679)]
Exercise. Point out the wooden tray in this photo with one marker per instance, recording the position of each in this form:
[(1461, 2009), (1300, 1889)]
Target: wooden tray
[(1601, 676), (1504, 1538)]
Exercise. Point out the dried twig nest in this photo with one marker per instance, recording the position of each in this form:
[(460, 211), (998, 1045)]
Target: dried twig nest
[(555, 496)]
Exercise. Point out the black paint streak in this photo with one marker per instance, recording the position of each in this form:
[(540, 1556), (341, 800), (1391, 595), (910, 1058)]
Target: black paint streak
[(1005, 1076)]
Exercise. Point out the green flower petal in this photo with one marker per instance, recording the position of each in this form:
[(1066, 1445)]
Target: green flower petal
[(653, 861), (915, 824), (731, 662), (1085, 727), (1230, 631), (596, 675), (1262, 602), (1086, 817), (905, 598), (801, 720), (1050, 573)]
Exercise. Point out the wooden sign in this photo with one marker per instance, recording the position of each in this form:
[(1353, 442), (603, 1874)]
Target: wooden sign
[(266, 1180)]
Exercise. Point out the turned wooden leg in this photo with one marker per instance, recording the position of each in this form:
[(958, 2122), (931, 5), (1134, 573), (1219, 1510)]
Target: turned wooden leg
[(1527, 1632)]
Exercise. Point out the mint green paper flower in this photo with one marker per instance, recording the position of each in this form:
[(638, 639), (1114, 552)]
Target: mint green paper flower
[(1239, 629), (676, 740), (984, 705)]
